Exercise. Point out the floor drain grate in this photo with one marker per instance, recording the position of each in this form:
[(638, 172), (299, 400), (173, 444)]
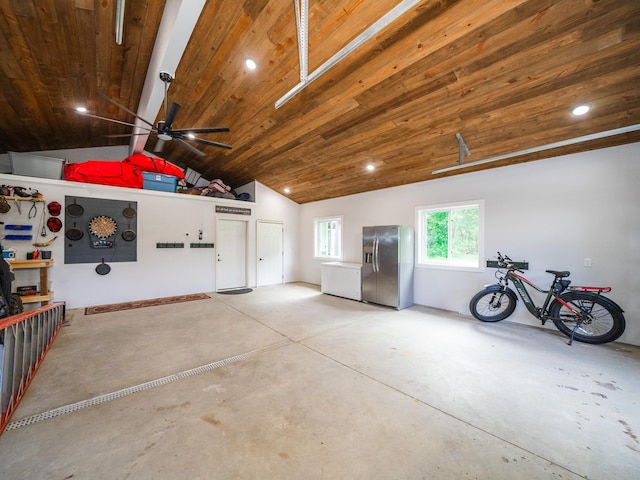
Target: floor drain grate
[(107, 397)]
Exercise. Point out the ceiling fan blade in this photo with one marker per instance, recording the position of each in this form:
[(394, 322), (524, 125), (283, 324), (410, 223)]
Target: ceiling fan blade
[(113, 102), (113, 120), (171, 115), (202, 130), (159, 146), (189, 147), (209, 142)]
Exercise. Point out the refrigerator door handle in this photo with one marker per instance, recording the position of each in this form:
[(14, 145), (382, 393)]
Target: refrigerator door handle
[(376, 265)]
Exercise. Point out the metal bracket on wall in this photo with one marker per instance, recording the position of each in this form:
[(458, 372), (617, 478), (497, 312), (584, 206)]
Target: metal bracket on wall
[(169, 245), (201, 245), (520, 265)]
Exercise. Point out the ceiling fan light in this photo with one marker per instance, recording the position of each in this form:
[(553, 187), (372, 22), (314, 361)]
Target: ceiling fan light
[(581, 110), (164, 136)]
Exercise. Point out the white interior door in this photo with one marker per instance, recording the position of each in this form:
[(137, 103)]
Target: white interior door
[(270, 253), (231, 254)]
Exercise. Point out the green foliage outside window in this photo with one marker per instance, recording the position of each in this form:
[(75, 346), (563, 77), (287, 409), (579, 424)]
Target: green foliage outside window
[(451, 235), (437, 229), (328, 237)]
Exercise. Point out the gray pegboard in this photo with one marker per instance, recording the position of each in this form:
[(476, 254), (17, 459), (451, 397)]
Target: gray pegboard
[(91, 249)]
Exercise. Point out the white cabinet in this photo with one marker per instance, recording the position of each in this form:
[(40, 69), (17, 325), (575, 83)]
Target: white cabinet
[(342, 279)]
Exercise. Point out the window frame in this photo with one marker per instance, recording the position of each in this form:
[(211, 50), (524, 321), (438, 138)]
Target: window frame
[(316, 222), (421, 262)]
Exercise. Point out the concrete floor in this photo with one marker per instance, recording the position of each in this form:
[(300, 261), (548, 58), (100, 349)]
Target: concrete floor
[(328, 389)]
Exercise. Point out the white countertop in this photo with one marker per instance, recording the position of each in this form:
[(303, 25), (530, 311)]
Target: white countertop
[(342, 265)]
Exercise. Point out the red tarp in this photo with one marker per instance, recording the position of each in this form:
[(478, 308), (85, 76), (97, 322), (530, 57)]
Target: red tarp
[(127, 173)]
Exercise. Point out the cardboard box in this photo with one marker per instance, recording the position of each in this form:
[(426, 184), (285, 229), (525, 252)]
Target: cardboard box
[(27, 290), (159, 181), (191, 176)]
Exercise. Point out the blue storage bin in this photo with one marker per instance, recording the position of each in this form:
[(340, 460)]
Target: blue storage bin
[(159, 181)]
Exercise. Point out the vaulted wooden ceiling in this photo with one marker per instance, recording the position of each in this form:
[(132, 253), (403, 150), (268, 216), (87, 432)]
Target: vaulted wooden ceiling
[(504, 74)]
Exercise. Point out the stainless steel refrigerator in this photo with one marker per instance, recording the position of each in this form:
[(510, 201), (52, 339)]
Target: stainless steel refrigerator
[(387, 265)]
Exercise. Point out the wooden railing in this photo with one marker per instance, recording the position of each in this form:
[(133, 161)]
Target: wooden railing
[(25, 339)]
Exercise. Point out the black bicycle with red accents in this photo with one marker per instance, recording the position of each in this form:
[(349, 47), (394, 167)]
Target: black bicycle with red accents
[(581, 313)]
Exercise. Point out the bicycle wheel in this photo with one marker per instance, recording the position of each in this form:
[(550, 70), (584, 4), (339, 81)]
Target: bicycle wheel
[(599, 321), (493, 304), (15, 304)]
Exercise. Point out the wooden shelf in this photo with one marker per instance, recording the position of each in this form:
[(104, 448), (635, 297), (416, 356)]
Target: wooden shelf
[(37, 298), (25, 199), (43, 264), (37, 263)]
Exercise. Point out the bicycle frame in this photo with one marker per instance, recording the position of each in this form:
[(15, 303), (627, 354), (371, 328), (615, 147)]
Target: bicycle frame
[(540, 313)]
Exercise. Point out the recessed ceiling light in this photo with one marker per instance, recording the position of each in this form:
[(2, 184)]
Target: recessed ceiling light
[(81, 109), (581, 109), (287, 190), (371, 167), (191, 135), (250, 63)]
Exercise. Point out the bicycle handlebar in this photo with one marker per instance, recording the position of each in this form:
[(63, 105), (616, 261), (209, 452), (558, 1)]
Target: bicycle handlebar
[(505, 262)]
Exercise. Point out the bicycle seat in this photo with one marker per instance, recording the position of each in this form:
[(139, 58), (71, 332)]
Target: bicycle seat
[(558, 274)]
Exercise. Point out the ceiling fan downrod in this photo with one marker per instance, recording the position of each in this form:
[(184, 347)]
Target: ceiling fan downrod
[(163, 130)]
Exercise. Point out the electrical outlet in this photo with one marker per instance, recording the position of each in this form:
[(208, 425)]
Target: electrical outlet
[(587, 262)]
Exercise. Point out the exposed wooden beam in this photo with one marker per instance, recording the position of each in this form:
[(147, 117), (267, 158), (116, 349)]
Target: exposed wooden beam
[(178, 22)]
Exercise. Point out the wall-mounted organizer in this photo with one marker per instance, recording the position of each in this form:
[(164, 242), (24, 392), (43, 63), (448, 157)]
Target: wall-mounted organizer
[(18, 237), (18, 228), (100, 230), (201, 245), (520, 265), (169, 245)]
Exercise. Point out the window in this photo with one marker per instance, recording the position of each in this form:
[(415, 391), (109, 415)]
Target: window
[(451, 235), (328, 238)]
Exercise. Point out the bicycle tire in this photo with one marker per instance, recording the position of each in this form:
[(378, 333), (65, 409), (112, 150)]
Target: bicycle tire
[(15, 304), (493, 304), (605, 323)]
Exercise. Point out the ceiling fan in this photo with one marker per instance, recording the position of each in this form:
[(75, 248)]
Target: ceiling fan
[(164, 129)]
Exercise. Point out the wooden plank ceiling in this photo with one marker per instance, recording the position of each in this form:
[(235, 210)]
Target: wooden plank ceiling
[(503, 73)]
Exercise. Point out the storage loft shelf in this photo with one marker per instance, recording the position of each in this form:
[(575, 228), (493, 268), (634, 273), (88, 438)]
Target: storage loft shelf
[(24, 199)]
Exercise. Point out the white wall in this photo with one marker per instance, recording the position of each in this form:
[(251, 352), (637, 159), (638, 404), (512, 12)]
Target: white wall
[(162, 217), (552, 213)]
